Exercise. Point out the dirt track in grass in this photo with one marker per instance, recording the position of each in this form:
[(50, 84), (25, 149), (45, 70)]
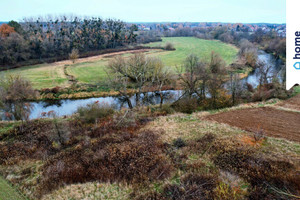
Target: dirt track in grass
[(98, 57), (274, 122)]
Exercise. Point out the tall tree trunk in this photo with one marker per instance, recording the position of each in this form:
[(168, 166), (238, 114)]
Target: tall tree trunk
[(161, 99), (129, 103)]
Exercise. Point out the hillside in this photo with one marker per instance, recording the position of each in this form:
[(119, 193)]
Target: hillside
[(169, 155)]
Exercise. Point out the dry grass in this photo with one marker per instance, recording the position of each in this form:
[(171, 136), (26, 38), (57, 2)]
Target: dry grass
[(91, 191), (190, 127)]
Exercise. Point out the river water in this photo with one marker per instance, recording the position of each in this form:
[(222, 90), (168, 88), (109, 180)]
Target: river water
[(268, 59), (69, 106)]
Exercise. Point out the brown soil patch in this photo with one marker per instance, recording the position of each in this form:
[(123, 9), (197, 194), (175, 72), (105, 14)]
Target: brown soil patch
[(293, 103), (274, 122)]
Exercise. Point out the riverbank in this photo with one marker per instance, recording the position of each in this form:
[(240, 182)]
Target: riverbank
[(66, 93), (83, 91)]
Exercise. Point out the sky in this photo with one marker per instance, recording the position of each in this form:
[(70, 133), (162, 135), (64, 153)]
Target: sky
[(233, 11)]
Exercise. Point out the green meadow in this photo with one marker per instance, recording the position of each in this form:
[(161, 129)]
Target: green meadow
[(191, 45), (91, 72)]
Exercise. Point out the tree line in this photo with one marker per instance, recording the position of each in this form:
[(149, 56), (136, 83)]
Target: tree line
[(54, 38)]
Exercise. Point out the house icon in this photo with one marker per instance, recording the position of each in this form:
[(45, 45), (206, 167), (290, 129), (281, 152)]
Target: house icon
[(297, 65)]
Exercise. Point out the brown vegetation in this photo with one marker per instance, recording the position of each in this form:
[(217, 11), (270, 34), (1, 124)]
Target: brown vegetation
[(14, 90), (111, 150)]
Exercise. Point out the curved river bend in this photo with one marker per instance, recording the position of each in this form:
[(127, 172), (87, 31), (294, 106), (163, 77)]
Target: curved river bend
[(68, 107)]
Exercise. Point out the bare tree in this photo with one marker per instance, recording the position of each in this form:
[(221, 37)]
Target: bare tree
[(160, 76), (265, 73), (235, 87), (193, 75), (217, 68), (248, 52), (74, 55), (137, 70), (14, 91), (119, 77)]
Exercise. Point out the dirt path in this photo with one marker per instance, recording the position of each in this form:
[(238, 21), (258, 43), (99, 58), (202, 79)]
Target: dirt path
[(275, 122), (72, 79), (95, 58)]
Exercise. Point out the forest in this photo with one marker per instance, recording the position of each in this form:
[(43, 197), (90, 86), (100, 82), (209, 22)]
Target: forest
[(40, 40)]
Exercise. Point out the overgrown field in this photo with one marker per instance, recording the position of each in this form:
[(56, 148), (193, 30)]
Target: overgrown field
[(93, 70), (149, 154)]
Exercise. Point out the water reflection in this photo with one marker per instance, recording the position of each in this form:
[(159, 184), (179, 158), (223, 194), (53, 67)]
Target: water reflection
[(68, 107), (269, 60)]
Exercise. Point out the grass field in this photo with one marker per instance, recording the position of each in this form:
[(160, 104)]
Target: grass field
[(7, 192), (89, 72), (42, 76), (190, 45), (93, 71)]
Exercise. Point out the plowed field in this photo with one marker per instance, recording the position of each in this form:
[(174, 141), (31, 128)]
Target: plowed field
[(274, 122)]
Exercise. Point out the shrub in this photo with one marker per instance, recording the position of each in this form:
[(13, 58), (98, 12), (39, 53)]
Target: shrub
[(95, 111), (249, 87), (179, 143), (55, 90), (225, 192), (169, 47), (14, 91), (167, 109), (259, 135), (186, 105), (74, 55)]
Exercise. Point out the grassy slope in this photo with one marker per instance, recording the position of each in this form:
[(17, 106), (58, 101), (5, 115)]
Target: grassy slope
[(51, 75), (296, 90), (42, 76), (189, 127), (89, 72), (7, 192)]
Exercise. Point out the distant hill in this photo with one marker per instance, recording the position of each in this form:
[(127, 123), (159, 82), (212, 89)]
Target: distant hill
[(3, 22)]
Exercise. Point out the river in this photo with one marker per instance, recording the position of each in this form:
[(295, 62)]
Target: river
[(69, 106)]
